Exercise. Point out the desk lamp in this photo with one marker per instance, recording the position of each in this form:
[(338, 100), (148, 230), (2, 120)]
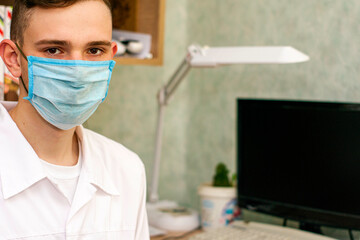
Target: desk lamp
[(159, 212)]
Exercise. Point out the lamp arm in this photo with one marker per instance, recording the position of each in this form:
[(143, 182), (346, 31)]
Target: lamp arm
[(154, 196), (163, 97), (176, 79)]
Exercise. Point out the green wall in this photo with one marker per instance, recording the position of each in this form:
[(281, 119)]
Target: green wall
[(200, 121)]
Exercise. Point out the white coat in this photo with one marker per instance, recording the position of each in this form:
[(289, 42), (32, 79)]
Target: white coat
[(109, 201)]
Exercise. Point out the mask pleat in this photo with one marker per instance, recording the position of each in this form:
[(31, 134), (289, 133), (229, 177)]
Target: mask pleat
[(67, 92)]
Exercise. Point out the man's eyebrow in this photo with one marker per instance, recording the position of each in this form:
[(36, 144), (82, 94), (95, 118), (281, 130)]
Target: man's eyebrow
[(52, 42), (99, 43), (67, 43)]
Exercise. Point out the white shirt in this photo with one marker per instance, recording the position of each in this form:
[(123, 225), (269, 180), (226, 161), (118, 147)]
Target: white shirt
[(109, 201), (64, 178)]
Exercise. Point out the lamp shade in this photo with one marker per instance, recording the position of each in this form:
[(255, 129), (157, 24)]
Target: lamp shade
[(216, 56)]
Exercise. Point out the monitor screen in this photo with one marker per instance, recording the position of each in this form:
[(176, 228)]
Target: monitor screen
[(300, 160)]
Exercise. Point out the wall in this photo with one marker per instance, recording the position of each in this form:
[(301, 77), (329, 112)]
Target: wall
[(200, 121), (128, 115)]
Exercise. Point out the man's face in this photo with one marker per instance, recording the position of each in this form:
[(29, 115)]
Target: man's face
[(79, 32)]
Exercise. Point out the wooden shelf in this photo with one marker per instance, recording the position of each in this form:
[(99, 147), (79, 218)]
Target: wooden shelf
[(7, 2), (135, 61), (143, 16)]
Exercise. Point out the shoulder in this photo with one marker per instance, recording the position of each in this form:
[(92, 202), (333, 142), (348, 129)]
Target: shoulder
[(114, 155)]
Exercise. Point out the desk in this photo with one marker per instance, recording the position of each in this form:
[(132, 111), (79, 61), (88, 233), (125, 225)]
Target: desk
[(175, 235)]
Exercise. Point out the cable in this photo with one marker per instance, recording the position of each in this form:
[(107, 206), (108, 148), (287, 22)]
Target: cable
[(351, 234)]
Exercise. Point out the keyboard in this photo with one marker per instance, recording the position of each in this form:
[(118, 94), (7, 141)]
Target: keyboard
[(256, 231)]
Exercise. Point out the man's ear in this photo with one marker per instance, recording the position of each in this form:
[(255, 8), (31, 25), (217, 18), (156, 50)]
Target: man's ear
[(113, 49), (9, 55)]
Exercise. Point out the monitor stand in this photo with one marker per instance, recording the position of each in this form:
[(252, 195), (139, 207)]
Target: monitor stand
[(314, 228)]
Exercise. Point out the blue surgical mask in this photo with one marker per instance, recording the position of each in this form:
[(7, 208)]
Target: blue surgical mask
[(67, 92)]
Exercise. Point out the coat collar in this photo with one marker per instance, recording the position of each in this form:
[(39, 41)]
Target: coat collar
[(20, 166), (93, 164)]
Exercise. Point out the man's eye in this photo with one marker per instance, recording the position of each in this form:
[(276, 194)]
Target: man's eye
[(53, 51), (95, 51)]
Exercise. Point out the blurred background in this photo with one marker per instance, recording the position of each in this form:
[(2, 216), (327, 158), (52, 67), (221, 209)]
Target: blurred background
[(200, 122)]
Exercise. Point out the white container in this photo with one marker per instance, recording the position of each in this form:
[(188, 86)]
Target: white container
[(217, 205)]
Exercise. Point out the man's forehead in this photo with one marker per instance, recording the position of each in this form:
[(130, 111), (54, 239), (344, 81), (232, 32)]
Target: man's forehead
[(85, 8), (86, 21)]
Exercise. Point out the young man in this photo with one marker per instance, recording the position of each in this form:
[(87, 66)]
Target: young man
[(57, 179)]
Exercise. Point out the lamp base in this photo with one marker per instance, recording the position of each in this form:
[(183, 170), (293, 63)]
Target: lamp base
[(168, 216)]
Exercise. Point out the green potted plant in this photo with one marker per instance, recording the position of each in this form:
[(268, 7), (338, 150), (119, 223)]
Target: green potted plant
[(218, 199), (221, 177)]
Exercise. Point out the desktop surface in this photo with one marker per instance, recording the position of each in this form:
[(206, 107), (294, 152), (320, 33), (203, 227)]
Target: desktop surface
[(177, 235), (246, 230)]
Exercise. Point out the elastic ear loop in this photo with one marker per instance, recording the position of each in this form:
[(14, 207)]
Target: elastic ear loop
[(22, 53)]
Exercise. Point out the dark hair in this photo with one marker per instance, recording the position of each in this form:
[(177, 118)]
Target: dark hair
[(23, 9)]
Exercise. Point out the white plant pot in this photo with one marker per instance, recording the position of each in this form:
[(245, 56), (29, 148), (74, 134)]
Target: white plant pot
[(217, 205)]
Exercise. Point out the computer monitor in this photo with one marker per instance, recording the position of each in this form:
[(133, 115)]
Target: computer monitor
[(300, 160)]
